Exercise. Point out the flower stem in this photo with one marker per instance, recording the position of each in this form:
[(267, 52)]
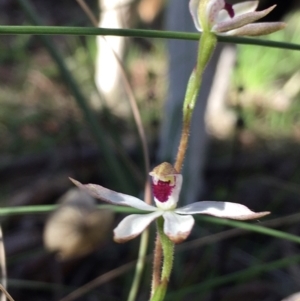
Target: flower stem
[(207, 44), (157, 256), (168, 256)]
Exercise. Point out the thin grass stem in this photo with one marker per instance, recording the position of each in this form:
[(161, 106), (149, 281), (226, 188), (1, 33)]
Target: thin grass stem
[(138, 33)]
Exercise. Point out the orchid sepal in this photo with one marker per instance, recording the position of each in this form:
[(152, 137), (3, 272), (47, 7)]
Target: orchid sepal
[(241, 20), (221, 209), (113, 197), (257, 29)]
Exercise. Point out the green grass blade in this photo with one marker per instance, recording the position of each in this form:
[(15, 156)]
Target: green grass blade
[(250, 227), (139, 33), (122, 209), (20, 210)]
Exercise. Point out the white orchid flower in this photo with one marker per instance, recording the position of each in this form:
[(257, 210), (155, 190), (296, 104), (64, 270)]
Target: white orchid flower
[(178, 222), (222, 18)]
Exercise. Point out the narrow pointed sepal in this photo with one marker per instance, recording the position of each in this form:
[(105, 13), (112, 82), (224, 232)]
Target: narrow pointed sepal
[(221, 209), (133, 225), (113, 197), (177, 227), (257, 29), (241, 20)]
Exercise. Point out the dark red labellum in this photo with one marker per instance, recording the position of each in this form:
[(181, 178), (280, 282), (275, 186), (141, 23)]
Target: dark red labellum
[(162, 190)]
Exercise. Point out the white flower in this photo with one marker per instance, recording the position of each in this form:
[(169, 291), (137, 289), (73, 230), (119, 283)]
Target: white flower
[(223, 18), (178, 222)]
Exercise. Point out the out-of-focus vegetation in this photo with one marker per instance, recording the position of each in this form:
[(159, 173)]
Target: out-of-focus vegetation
[(266, 86)]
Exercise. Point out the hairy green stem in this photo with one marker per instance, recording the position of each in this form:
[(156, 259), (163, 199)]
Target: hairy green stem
[(168, 257), (206, 48), (157, 258)]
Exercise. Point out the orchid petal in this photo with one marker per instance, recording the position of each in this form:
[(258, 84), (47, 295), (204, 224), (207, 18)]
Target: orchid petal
[(213, 9), (221, 209), (241, 20), (177, 227), (239, 9), (116, 198), (134, 224), (257, 29), (193, 5), (245, 7)]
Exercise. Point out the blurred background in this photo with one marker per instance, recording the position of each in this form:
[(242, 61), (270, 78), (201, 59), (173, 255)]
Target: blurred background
[(65, 112)]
